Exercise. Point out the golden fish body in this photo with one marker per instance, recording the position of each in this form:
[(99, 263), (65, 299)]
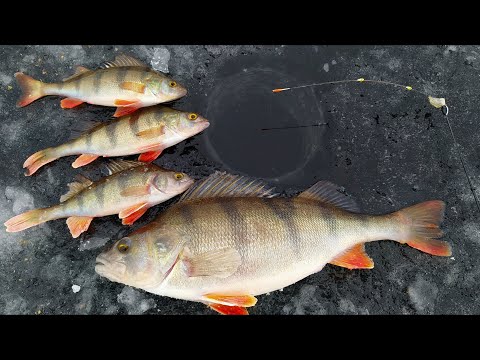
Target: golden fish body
[(128, 192), (125, 83), (155, 127), (149, 130), (222, 249), (280, 241), (104, 87)]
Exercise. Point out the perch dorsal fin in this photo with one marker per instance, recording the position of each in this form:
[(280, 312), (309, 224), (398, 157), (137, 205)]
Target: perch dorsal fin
[(226, 185), (116, 166), (79, 70), (81, 182), (328, 193), (123, 60)]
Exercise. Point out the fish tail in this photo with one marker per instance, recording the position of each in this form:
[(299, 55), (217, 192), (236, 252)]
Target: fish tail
[(32, 89), (420, 227), (40, 158), (27, 220)]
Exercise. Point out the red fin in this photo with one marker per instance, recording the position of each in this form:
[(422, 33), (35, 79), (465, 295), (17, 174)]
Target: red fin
[(133, 86), (120, 102), (78, 225), (231, 300), (151, 133), (25, 220), (37, 160), (32, 89), (129, 211), (149, 156), (130, 219), (69, 103), (83, 160), (136, 191), (122, 111), (423, 221), (228, 310), (354, 258)]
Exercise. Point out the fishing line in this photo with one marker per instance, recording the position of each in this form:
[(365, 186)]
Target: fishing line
[(438, 103), (457, 148)]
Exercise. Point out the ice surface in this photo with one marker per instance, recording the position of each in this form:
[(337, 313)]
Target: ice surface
[(160, 59), (135, 301), (423, 295)]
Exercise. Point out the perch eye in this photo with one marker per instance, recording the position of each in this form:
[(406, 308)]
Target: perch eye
[(124, 245), (179, 176)]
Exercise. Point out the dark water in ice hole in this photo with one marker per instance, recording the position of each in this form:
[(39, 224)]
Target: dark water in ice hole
[(243, 104)]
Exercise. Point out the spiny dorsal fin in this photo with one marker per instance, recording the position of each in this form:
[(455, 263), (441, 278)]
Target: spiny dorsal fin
[(123, 60), (226, 185), (81, 182), (79, 70), (115, 166), (327, 192), (83, 127)]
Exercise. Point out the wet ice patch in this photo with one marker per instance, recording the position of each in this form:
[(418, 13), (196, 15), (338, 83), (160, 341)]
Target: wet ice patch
[(423, 295), (135, 301), (93, 243), (305, 303), (472, 231), (22, 200), (11, 132), (346, 306), (183, 60), (65, 53), (5, 79), (13, 304), (160, 59), (394, 64)]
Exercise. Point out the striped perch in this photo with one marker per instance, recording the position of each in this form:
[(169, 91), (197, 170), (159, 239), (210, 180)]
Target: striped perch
[(129, 191), (147, 132), (126, 83), (229, 239)]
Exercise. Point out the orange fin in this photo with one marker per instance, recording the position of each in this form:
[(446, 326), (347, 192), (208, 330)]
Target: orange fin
[(136, 191), (25, 220), (231, 300), (228, 310), (423, 221), (354, 258), (133, 86), (78, 225), (120, 102), (149, 156), (69, 103), (122, 111), (83, 160), (32, 89), (37, 160), (151, 133), (130, 219), (129, 211)]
